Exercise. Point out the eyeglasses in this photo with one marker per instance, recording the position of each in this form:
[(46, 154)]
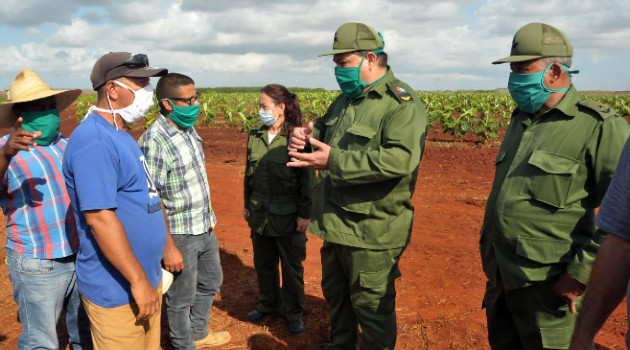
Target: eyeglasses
[(189, 101), (138, 60)]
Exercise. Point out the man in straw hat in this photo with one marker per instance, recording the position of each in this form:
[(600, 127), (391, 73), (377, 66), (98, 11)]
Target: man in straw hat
[(369, 146), (117, 207), (538, 239), (41, 233)]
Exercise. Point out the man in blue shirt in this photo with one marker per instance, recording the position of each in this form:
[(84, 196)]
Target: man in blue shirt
[(117, 208)]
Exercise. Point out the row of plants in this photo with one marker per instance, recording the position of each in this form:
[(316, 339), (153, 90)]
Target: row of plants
[(480, 113)]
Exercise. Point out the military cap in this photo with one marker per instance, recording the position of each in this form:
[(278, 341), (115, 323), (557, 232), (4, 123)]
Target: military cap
[(352, 37), (537, 40)]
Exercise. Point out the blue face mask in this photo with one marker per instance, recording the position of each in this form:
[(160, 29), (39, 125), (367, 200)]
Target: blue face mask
[(529, 91), (266, 117)]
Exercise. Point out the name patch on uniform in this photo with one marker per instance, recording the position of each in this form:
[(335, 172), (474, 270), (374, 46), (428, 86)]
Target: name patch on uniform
[(403, 93)]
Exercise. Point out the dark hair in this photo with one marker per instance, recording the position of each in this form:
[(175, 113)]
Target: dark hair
[(292, 112), (168, 86), (381, 58)]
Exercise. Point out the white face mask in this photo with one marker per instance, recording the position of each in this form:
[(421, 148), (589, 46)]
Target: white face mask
[(143, 100)]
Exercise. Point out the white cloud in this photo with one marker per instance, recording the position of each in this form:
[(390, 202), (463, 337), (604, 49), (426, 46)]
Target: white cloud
[(247, 42), (21, 13)]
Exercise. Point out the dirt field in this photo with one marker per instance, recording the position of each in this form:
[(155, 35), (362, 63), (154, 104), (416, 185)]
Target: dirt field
[(442, 284)]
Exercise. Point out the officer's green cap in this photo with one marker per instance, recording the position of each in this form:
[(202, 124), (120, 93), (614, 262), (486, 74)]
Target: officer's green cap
[(352, 37), (536, 40)]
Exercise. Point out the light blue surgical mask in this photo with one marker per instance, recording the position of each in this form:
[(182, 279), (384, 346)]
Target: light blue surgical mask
[(266, 117), (529, 91)]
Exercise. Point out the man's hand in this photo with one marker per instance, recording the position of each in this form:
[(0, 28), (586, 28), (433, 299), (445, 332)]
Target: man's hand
[(19, 140), (147, 299), (569, 290), (316, 160), (302, 224), (172, 259), (299, 138)]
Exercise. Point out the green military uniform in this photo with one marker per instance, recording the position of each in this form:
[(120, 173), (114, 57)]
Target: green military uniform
[(362, 206), (551, 174), (275, 195)]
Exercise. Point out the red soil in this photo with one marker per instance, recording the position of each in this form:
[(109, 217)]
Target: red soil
[(442, 284)]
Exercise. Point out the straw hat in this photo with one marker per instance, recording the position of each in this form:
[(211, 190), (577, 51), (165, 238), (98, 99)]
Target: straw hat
[(27, 87)]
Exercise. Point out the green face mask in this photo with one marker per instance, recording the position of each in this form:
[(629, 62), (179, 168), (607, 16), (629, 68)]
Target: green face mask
[(184, 116), (349, 79), (46, 121)]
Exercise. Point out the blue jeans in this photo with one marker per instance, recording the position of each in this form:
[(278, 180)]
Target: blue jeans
[(42, 288), (195, 285)]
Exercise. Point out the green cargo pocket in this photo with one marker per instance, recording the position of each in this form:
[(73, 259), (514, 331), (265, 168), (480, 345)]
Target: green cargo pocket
[(556, 338), (359, 136), (376, 290), (348, 202), (551, 180), (544, 251)]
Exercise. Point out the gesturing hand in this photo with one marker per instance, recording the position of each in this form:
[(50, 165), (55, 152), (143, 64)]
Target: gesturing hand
[(316, 160), (19, 140), (299, 138)]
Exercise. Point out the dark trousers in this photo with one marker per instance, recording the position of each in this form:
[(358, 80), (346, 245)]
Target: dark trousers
[(290, 250), (358, 284)]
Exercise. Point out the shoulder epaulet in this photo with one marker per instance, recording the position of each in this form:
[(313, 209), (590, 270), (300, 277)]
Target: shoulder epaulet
[(255, 130), (604, 111), (401, 94)]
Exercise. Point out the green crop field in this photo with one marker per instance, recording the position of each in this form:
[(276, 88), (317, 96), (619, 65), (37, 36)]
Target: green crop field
[(480, 113)]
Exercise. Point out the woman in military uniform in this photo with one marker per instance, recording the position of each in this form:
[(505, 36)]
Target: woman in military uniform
[(277, 209)]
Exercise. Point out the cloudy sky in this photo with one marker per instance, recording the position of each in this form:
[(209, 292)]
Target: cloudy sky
[(433, 45)]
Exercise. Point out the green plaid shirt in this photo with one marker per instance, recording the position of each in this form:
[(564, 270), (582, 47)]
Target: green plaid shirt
[(176, 164)]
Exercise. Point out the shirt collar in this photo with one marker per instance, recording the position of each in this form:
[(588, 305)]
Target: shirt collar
[(172, 130), (380, 88), (567, 104)]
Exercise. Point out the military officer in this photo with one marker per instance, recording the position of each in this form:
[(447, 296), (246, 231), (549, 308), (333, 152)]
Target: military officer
[(539, 239), (368, 148)]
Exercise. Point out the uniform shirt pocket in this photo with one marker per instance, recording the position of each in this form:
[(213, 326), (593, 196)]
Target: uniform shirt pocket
[(550, 178), (544, 251), (359, 136)]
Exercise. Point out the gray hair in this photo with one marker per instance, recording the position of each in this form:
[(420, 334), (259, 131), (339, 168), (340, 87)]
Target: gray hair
[(566, 61)]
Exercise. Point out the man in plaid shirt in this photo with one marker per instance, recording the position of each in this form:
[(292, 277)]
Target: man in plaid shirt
[(41, 234), (176, 164)]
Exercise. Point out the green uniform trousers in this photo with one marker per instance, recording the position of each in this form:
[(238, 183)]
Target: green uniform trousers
[(291, 250), (528, 318), (358, 284)]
